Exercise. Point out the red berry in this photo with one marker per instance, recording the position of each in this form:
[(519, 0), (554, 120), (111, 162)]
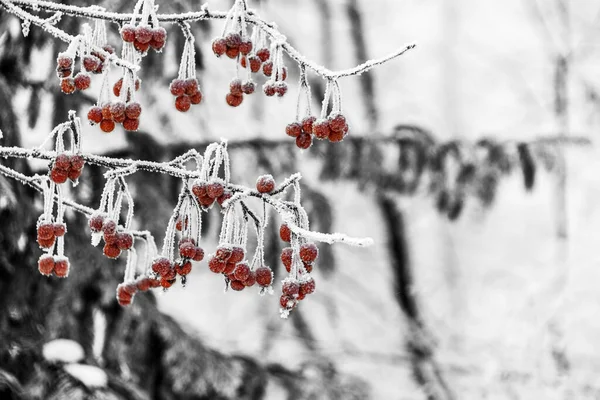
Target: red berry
[(91, 63), (219, 46), (217, 266), (237, 285), (109, 49), (199, 189), (59, 229), (309, 252), (290, 288), (77, 162), (111, 251), (131, 125), (264, 54), (45, 231), (224, 197), (177, 87), (286, 258), (159, 34), (161, 266), (187, 240), (233, 40), (61, 267), (124, 241), (67, 85), (285, 233), (264, 276), (307, 124), (233, 100), (307, 287), (321, 129), (199, 254), (245, 47), (337, 122), (82, 81), (223, 252), (133, 110), (64, 61), (74, 174), (286, 302), (46, 264), (191, 86), (237, 255), (265, 184), (187, 250), (157, 44), (269, 89), (251, 279), (242, 272), (59, 175), (235, 87), (281, 88), (183, 268), (335, 136), (63, 73), (106, 114), (179, 224), (124, 299), (62, 161), (248, 87), (294, 129), (117, 111), (143, 34), (109, 227), (143, 284), (167, 283), (214, 189), (107, 125), (268, 68), (283, 74), (232, 52), (229, 268), (183, 103), (46, 243), (141, 47), (128, 33), (255, 63), (95, 115), (96, 222), (196, 98)]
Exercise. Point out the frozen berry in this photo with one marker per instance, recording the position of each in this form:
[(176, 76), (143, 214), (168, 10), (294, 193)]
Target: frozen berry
[(128, 33), (199, 189), (283, 76), (159, 34), (233, 40), (268, 68), (82, 81), (248, 87), (90, 63), (96, 222), (265, 184), (286, 301), (107, 125), (131, 125), (290, 288), (232, 52), (235, 87), (161, 266), (233, 100), (61, 267), (74, 174), (191, 86), (143, 34), (219, 46), (336, 136), (286, 258), (285, 233), (157, 44), (67, 85), (64, 61), (321, 129), (309, 252), (45, 231), (177, 87), (62, 161), (255, 63), (143, 285), (46, 243), (183, 103), (59, 229), (111, 251), (46, 264), (251, 279), (133, 110), (308, 267), (63, 72), (264, 54), (223, 252), (199, 254), (179, 224), (196, 98), (237, 255), (109, 227), (264, 276), (226, 195), (281, 88), (187, 250), (229, 268), (214, 189), (237, 285), (167, 283), (183, 268), (124, 241), (59, 175), (307, 287), (95, 115), (307, 124), (141, 47), (217, 266), (117, 111), (77, 162), (337, 122), (269, 89), (245, 47), (242, 272), (294, 129)]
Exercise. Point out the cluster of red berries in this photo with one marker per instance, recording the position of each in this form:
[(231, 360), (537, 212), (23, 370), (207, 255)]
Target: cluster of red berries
[(237, 90), (117, 112), (334, 128), (232, 45), (115, 240), (228, 260), (167, 271), (293, 291), (308, 251), (119, 85), (65, 167), (68, 83), (186, 92), (48, 265), (126, 291), (143, 37), (48, 232), (207, 192), (278, 86), (94, 62)]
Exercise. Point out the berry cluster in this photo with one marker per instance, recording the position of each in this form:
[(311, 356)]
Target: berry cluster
[(65, 167), (68, 83), (144, 37), (237, 90), (126, 291), (186, 92), (302, 131), (232, 45), (119, 85), (95, 61), (57, 265), (207, 192), (48, 232), (116, 239), (334, 128), (127, 114)]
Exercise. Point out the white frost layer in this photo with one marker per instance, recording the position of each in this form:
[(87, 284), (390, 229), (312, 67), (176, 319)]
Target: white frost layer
[(63, 350), (90, 376)]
